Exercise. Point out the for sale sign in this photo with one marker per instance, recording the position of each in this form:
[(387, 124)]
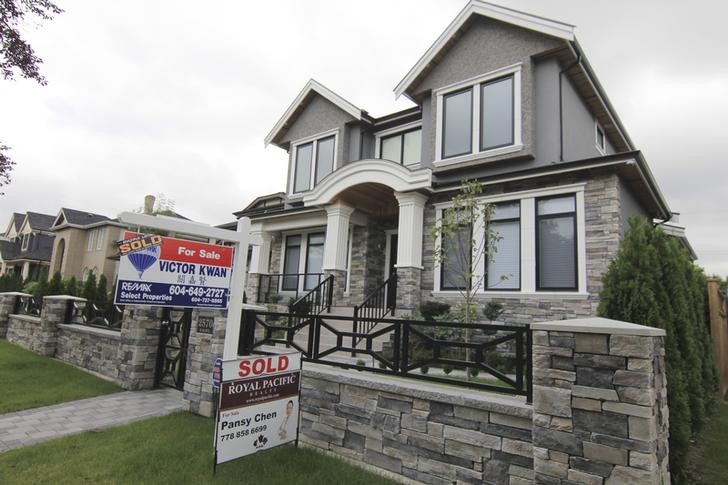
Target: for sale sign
[(258, 407), (164, 271)]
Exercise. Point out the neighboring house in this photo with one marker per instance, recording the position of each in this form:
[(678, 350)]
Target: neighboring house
[(84, 244), (26, 245), (503, 97)]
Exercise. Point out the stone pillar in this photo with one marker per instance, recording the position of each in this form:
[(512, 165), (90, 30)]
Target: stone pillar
[(53, 312), (338, 215), (409, 248), (259, 262), (7, 305), (599, 403), (203, 349), (140, 332)]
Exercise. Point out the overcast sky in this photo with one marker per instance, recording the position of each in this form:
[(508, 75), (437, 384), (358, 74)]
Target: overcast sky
[(176, 97)]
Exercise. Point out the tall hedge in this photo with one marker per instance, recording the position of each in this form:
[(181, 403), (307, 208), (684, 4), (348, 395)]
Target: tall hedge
[(653, 282)]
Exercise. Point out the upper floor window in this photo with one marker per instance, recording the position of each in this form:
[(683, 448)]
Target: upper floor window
[(96, 239), (403, 147), (26, 241), (312, 161), (480, 115), (600, 139)]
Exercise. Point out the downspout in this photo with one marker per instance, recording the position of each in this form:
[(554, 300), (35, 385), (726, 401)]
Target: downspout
[(561, 105)]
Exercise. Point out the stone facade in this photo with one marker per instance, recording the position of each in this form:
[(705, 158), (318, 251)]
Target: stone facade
[(599, 403), (409, 295), (95, 349), (139, 339), (7, 305), (39, 334), (203, 349), (417, 431)]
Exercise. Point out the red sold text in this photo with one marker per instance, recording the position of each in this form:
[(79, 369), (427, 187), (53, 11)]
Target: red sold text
[(263, 366)]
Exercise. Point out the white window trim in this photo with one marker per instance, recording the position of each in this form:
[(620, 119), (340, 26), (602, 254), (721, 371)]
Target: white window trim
[(597, 128), (302, 257), (100, 236), (292, 165), (91, 242), (25, 242), (393, 131), (527, 199), (474, 83)]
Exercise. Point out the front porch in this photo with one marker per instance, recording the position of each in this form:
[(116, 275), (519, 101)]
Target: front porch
[(362, 225)]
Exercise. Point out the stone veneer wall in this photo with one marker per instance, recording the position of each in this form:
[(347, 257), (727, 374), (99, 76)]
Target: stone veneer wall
[(425, 433), (600, 403), (7, 305), (28, 331), (203, 349), (602, 207), (95, 349)]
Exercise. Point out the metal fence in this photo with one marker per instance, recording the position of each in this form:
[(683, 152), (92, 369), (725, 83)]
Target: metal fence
[(28, 305), (100, 314), (480, 356)]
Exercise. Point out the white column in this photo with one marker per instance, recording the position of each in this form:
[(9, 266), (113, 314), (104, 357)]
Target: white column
[(411, 225), (260, 255), (337, 235)]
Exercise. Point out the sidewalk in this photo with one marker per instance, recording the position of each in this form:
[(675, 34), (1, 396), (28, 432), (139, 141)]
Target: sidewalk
[(42, 424)]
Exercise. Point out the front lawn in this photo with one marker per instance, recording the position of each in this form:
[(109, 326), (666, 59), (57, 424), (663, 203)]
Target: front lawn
[(174, 449), (707, 460), (30, 380)]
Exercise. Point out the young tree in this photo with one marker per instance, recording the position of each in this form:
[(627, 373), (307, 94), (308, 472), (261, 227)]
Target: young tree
[(55, 286), (464, 242), (102, 292), (70, 287), (89, 287), (17, 54)]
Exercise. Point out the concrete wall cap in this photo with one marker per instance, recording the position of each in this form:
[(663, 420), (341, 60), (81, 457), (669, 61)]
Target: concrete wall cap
[(103, 332), (599, 325), (63, 297), (14, 293), (248, 306)]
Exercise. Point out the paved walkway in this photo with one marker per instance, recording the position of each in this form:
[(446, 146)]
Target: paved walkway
[(41, 424)]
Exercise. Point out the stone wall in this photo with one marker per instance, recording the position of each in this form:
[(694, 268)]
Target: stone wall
[(426, 433), (600, 403), (203, 349), (95, 349), (7, 305), (28, 331), (602, 202), (139, 343)]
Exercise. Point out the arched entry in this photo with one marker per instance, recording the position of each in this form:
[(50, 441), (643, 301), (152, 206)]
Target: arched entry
[(61, 253)]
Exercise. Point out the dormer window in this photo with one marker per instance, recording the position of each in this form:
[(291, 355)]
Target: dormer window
[(480, 116), (313, 159), (402, 144)]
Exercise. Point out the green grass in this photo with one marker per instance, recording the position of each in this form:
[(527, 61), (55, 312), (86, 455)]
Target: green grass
[(174, 449), (707, 462), (30, 380)]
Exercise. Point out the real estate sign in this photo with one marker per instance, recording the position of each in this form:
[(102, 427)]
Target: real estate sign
[(164, 271), (258, 406)]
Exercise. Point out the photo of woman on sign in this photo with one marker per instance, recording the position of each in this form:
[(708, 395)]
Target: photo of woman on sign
[(283, 428)]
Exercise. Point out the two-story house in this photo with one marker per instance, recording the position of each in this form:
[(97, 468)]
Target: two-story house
[(26, 245), (503, 97)]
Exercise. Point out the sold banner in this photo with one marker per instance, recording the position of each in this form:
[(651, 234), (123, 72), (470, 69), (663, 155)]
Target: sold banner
[(258, 406), (164, 271)]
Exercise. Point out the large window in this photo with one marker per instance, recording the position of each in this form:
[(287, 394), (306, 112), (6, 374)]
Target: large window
[(303, 257), (556, 243), (457, 252), (312, 161), (480, 115), (457, 122), (540, 246), (96, 239), (403, 147), (504, 269)]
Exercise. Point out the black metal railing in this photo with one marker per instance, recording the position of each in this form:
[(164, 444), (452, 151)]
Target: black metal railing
[(273, 284), (100, 314), (377, 305), (315, 301), (480, 356), (28, 305)]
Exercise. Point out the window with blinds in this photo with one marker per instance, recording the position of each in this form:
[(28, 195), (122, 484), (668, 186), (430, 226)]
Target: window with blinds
[(503, 271), (556, 265)]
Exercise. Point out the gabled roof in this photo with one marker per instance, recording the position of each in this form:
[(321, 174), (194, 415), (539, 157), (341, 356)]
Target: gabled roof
[(264, 203), (17, 220), (546, 26), (73, 217), (311, 88), (38, 221)]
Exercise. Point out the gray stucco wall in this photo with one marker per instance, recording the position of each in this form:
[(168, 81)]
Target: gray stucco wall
[(579, 125), (629, 206), (319, 116), (546, 76), (486, 46)]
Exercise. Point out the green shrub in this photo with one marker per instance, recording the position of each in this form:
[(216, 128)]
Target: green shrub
[(55, 285), (431, 309), (653, 282), (11, 282), (424, 369), (473, 372), (493, 310), (361, 363), (447, 369)]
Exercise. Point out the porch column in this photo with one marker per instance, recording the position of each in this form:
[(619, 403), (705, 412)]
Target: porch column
[(259, 261), (338, 215), (409, 248)]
